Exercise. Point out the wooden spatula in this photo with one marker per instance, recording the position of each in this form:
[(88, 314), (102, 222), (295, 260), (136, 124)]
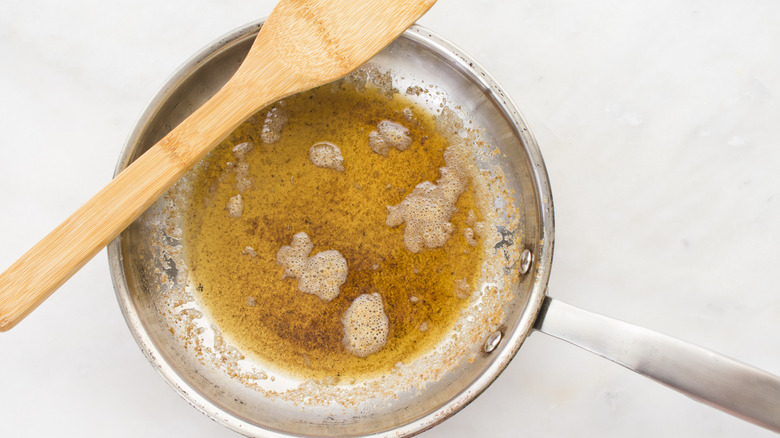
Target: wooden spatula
[(303, 44)]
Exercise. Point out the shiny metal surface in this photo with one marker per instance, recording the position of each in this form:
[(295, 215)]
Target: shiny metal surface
[(526, 258), (492, 342), (706, 376), (138, 267)]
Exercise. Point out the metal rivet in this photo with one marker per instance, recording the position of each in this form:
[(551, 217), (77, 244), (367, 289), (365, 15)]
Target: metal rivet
[(526, 258), (492, 341)]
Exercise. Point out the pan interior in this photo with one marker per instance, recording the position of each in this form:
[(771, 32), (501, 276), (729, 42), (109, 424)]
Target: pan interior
[(149, 267)]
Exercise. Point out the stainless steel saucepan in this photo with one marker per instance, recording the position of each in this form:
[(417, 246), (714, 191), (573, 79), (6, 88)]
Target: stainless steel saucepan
[(151, 285)]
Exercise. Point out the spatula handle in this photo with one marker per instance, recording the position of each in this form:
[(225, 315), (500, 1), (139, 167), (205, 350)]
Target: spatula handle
[(53, 260)]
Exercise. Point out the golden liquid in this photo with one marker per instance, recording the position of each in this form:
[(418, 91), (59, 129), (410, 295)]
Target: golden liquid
[(297, 332)]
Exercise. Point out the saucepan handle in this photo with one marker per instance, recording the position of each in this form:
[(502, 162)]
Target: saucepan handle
[(724, 383)]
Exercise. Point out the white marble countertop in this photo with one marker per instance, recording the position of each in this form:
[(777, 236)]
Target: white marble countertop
[(660, 126)]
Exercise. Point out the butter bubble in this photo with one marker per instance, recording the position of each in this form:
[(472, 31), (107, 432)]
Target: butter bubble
[(321, 275), (365, 325), (389, 135), (327, 155)]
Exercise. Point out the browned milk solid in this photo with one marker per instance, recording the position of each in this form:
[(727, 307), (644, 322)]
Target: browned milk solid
[(233, 258)]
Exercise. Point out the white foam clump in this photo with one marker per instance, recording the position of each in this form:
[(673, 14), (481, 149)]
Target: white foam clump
[(428, 209), (244, 181), (476, 229), (321, 275), (389, 135), (327, 155), (274, 122), (240, 150), (462, 288), (235, 206), (365, 325), (468, 234)]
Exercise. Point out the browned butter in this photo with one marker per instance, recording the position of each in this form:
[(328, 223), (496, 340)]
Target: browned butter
[(242, 288)]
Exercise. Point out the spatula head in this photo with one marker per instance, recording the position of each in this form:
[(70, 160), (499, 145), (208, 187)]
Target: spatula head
[(323, 40)]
